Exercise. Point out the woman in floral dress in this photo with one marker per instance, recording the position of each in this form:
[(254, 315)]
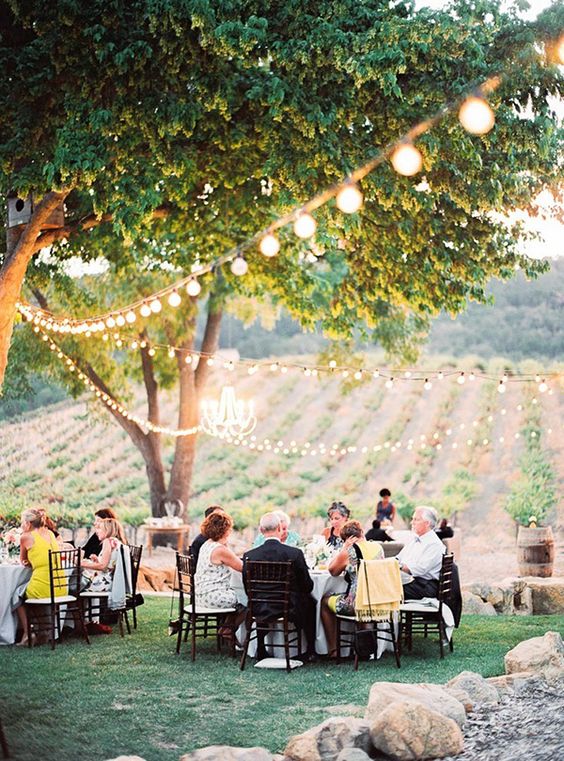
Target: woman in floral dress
[(215, 562)]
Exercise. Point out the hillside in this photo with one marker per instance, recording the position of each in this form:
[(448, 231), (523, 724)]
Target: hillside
[(67, 458)]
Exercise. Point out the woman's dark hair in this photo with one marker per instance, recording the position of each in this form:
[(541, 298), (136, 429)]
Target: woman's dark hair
[(216, 525), (376, 523), (339, 507), (385, 493), (211, 509), (351, 528), (106, 512)]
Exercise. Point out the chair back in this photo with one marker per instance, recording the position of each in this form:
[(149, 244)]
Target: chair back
[(269, 587), (135, 552), (185, 571), (445, 579), (64, 573), (379, 589)]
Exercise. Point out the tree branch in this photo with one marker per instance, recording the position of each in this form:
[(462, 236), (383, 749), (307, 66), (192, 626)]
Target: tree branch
[(151, 385), (209, 343)]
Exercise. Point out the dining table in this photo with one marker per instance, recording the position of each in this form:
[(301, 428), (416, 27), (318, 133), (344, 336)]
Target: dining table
[(13, 575)]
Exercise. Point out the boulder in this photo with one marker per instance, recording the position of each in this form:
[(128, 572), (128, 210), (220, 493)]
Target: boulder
[(325, 741), (433, 696), (505, 684), (408, 730), (541, 655), (517, 598), (491, 593), (478, 689), (471, 603), (548, 595), (462, 696), (228, 753), (353, 754)]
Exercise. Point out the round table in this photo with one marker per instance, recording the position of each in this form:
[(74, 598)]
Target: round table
[(12, 575)]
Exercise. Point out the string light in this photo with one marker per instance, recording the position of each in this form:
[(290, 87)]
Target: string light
[(476, 116), (130, 317), (501, 387), (461, 379), (407, 160), (155, 306), (269, 245), (193, 287), (543, 386), (145, 310), (427, 385), (239, 265), (305, 226), (174, 299), (349, 198)]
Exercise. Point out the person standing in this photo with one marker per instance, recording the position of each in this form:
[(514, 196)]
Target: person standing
[(385, 509)]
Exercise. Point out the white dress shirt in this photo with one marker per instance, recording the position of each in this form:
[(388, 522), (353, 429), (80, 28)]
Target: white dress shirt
[(423, 556)]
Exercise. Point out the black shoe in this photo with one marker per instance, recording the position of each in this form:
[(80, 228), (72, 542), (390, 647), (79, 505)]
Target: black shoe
[(308, 658)]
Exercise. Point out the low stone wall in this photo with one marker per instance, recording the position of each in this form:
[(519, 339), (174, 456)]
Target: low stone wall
[(527, 595)]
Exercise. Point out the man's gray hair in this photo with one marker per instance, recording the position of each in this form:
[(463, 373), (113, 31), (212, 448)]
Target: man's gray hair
[(428, 514), (284, 517), (269, 522)]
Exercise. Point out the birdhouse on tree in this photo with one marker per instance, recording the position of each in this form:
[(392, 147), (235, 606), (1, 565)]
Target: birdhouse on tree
[(21, 209)]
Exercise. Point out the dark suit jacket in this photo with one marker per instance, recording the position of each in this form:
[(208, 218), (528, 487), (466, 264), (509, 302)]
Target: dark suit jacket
[(274, 551)]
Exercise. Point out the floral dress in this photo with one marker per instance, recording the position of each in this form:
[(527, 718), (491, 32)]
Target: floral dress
[(213, 582), (101, 581), (344, 604)]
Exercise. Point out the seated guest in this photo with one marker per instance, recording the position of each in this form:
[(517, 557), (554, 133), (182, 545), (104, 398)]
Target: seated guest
[(338, 515), (94, 546), (377, 534), (215, 561), (291, 538), (385, 509), (421, 559), (302, 604), (35, 543), (355, 548), (99, 569), (201, 538), (444, 531)]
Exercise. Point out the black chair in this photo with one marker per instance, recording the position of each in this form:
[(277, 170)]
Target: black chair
[(64, 584), (382, 630), (132, 599), (195, 620), (95, 603), (269, 585), (418, 618)]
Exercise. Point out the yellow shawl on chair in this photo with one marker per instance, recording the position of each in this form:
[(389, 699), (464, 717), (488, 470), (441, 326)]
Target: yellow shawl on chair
[(379, 590)]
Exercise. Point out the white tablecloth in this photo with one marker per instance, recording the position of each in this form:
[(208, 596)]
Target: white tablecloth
[(11, 577)]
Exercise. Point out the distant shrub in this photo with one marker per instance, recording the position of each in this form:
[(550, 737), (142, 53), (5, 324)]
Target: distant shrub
[(404, 505)]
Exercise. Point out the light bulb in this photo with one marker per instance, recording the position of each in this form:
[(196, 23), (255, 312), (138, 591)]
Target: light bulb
[(501, 387), (349, 198), (131, 316), (171, 353), (427, 385), (120, 321), (155, 306), (389, 383), (193, 287), (239, 266), (269, 245), (145, 310), (174, 299), (151, 352), (407, 160), (476, 116), (110, 322), (305, 225), (461, 379), (543, 387)]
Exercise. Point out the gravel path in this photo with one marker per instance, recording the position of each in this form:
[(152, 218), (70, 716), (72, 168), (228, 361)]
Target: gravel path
[(527, 725)]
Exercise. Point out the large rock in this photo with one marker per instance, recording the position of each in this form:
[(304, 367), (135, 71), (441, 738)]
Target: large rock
[(325, 741), (491, 593), (462, 696), (433, 696), (228, 753), (473, 604), (508, 683), (548, 595), (408, 730), (475, 686), (353, 754), (541, 655)]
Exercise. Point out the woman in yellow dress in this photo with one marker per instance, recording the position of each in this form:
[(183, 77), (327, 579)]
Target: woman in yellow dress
[(35, 543), (355, 547)]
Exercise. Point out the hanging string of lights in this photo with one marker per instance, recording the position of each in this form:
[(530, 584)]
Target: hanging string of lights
[(437, 439), (475, 115), (389, 375)]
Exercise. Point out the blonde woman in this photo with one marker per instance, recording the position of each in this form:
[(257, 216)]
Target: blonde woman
[(99, 569)]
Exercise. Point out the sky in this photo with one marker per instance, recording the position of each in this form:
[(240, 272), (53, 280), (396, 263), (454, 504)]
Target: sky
[(551, 230)]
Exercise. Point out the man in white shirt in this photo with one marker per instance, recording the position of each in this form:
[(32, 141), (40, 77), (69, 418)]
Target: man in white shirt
[(422, 558)]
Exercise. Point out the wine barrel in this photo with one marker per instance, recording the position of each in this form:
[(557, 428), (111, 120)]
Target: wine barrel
[(535, 551)]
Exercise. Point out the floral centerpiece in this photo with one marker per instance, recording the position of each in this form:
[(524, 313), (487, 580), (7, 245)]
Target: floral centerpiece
[(318, 553), (10, 539)]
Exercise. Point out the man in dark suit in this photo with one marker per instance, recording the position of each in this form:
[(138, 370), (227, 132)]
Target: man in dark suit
[(302, 604)]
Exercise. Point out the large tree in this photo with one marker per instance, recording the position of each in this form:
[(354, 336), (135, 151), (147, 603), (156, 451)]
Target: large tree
[(174, 131)]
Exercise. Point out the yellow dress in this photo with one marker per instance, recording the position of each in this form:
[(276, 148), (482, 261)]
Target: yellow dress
[(38, 556)]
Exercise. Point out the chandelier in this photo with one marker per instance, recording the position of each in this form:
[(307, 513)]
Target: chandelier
[(229, 416)]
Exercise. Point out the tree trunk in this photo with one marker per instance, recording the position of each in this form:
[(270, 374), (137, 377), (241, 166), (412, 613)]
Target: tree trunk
[(20, 246)]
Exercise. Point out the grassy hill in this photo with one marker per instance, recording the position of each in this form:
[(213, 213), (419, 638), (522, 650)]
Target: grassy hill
[(71, 458)]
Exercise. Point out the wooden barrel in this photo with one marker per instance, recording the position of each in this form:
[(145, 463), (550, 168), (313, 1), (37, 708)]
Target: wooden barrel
[(535, 551)]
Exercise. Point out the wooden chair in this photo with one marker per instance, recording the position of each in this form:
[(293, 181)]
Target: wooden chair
[(95, 603), (383, 630), (64, 583), (132, 601), (269, 585), (195, 620), (416, 617)]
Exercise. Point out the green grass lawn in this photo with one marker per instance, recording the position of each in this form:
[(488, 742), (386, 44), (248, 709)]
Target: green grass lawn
[(135, 696)]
